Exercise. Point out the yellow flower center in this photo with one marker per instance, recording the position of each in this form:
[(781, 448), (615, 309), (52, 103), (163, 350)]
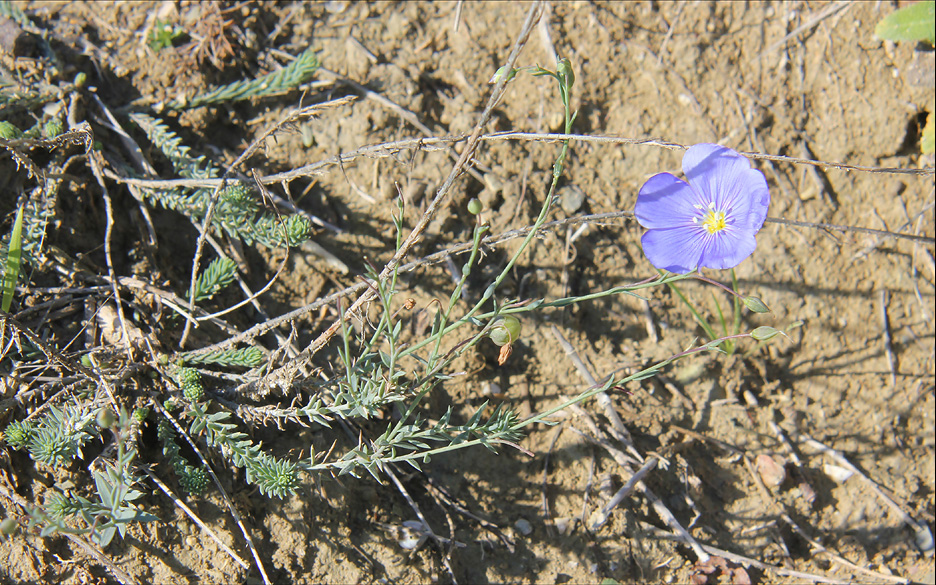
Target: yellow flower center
[(713, 221)]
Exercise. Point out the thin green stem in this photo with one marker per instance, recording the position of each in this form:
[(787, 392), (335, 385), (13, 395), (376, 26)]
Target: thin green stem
[(736, 327), (479, 232), (702, 322)]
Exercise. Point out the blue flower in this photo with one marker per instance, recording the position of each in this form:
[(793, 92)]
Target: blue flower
[(707, 222)]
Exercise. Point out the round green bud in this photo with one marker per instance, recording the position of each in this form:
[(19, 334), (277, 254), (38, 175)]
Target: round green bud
[(8, 526), (505, 331), (81, 79), (9, 131), (755, 304), (475, 207), (105, 418)]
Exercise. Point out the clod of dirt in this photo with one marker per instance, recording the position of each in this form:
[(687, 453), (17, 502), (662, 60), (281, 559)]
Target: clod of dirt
[(922, 70)]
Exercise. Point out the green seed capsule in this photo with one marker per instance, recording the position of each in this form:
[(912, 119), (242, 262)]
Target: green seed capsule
[(475, 207), (105, 418), (505, 331), (8, 526)]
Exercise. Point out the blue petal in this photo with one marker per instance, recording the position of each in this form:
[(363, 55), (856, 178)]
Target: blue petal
[(722, 175), (676, 250), (727, 248), (664, 202)]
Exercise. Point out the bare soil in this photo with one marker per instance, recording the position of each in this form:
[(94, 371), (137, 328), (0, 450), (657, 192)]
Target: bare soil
[(757, 77)]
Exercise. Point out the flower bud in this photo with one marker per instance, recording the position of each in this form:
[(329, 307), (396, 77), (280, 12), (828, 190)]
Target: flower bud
[(8, 526), (505, 331), (566, 73), (475, 207), (755, 305), (763, 333), (503, 72), (105, 418)]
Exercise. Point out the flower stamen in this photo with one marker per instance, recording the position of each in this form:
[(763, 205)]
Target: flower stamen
[(713, 221)]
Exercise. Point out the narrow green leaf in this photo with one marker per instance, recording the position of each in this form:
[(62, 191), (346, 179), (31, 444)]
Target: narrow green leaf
[(14, 255), (916, 22)]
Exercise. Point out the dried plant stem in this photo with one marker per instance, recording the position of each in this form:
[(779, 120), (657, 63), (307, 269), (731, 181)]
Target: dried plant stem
[(829, 10), (625, 462), (227, 500), (191, 514), (626, 490), (920, 530), (387, 149), (94, 551), (204, 229), (618, 430), (771, 503), (399, 110), (415, 507), (736, 558), (440, 494), (886, 337), (292, 368)]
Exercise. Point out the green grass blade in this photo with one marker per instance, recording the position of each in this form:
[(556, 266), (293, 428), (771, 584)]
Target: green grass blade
[(14, 256)]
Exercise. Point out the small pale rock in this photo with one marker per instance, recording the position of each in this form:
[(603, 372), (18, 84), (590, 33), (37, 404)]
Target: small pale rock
[(839, 474), (571, 198), (771, 471), (523, 526)]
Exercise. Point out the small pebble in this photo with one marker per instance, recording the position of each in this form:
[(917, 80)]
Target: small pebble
[(771, 471), (571, 198), (523, 526), (839, 474)]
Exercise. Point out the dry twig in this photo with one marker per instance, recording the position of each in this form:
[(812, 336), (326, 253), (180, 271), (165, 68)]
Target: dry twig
[(921, 532)]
